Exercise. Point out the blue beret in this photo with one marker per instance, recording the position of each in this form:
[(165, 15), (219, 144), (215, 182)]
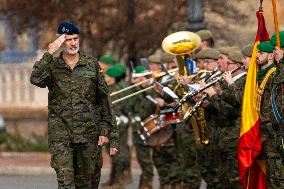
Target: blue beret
[(67, 28)]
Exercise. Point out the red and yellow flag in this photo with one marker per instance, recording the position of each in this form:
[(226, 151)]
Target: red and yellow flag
[(252, 171)]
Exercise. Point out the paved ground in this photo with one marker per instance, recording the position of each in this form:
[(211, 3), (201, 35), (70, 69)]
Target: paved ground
[(49, 181), (33, 171)]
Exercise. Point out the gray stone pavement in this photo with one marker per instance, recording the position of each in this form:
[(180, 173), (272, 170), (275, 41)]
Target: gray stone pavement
[(49, 181), (33, 171)]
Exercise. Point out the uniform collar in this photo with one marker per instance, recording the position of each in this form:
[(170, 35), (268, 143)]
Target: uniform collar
[(81, 61)]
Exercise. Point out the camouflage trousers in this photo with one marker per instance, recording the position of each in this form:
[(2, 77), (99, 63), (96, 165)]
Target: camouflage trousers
[(188, 172), (165, 161), (275, 162), (121, 162), (77, 165), (144, 157), (218, 161)]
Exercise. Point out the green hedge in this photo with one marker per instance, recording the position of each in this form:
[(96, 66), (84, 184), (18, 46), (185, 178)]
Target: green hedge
[(14, 143)]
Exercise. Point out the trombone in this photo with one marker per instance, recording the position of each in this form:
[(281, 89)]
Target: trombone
[(155, 76)]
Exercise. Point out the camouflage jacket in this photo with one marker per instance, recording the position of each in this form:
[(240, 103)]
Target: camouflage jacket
[(78, 102), (273, 131), (235, 91)]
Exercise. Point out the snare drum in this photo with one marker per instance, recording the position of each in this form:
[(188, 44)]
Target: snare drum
[(168, 117), (155, 132)]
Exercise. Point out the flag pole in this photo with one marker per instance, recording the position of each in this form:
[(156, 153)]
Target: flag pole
[(276, 26)]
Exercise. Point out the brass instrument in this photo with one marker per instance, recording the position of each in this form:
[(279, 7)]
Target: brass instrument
[(210, 83), (182, 44), (154, 76), (151, 80)]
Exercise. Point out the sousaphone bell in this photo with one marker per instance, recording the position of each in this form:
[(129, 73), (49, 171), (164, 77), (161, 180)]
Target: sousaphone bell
[(181, 43)]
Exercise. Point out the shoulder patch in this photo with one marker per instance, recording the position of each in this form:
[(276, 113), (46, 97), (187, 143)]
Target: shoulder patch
[(101, 71)]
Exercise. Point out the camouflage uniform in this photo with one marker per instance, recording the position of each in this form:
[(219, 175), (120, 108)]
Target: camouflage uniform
[(141, 109), (187, 170), (273, 131), (218, 160), (233, 95), (77, 116), (165, 157), (176, 160), (121, 162)]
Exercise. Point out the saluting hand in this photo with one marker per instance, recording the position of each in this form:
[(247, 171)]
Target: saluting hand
[(54, 46)]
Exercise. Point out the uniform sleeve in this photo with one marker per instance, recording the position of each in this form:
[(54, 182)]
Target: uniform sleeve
[(40, 75), (222, 106), (108, 126)]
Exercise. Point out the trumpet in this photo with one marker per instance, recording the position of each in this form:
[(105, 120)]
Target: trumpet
[(211, 82)]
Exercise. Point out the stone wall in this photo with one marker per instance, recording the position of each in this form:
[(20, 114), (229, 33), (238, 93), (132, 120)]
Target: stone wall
[(23, 106)]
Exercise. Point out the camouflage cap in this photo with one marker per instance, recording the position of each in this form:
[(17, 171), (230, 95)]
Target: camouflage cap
[(273, 39), (167, 58), (224, 50), (265, 46), (139, 69), (155, 59), (235, 56), (205, 34), (211, 53), (247, 50), (200, 54)]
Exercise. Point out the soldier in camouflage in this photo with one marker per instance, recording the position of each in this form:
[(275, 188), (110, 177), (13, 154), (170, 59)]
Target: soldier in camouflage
[(120, 172), (212, 156), (79, 118), (229, 136), (271, 118)]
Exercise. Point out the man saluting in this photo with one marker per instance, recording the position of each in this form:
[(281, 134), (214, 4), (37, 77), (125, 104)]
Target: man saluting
[(79, 112)]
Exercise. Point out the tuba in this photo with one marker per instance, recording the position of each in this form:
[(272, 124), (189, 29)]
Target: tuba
[(182, 44)]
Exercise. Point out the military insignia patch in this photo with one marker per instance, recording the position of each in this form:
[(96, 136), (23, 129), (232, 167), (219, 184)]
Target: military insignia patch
[(88, 74)]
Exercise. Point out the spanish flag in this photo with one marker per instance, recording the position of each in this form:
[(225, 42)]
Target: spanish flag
[(251, 170)]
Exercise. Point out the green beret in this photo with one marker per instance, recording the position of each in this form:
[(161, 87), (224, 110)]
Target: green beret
[(200, 54), (107, 59), (114, 72), (155, 58), (167, 58), (265, 47), (139, 69), (273, 39), (247, 50), (235, 56), (211, 53), (122, 67), (205, 34)]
